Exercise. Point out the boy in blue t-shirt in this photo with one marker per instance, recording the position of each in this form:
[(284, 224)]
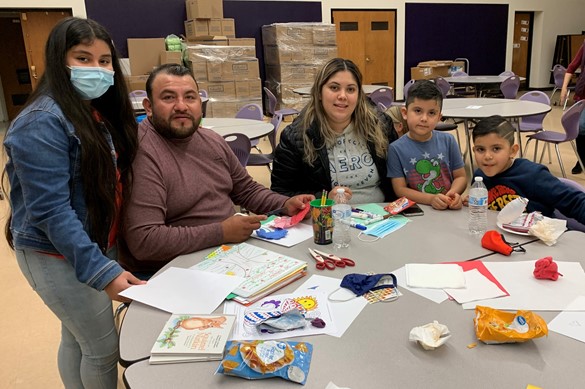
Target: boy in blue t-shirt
[(426, 165)]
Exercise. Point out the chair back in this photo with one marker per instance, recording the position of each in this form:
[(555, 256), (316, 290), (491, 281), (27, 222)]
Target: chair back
[(250, 111), (240, 145), (384, 95), (459, 73), (571, 223), (381, 107), (534, 123), (407, 87), (443, 85), (510, 86), (203, 93), (275, 121), (271, 101), (507, 73), (559, 75), (137, 95), (570, 120)]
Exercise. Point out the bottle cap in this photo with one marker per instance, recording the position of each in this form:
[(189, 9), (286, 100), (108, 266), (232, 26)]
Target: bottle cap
[(340, 190), (478, 178)]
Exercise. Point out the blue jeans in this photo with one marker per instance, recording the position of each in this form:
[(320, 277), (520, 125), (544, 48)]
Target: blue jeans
[(88, 353)]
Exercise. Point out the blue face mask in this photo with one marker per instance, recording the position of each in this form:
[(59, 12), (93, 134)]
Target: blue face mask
[(385, 227), (91, 82), (360, 284)]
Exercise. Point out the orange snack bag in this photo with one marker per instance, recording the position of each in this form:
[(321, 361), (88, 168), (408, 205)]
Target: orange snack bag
[(493, 326)]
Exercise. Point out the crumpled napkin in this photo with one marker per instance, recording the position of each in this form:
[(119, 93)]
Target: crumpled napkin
[(548, 230), (430, 336)]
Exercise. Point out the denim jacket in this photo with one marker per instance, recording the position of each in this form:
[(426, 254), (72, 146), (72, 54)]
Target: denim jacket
[(49, 213)]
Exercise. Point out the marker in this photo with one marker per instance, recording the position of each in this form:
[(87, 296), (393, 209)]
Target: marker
[(374, 220), (355, 225), (368, 214)]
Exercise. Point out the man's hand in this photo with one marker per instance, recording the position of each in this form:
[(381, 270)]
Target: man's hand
[(238, 228), (295, 204), (121, 283)]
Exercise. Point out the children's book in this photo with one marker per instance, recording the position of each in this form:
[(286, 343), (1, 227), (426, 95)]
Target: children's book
[(261, 268), (192, 338)]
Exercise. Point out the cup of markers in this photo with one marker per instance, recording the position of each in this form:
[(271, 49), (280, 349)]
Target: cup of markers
[(322, 217)]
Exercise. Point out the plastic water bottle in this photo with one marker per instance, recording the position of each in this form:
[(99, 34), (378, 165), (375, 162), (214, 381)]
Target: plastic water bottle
[(478, 203), (341, 220)]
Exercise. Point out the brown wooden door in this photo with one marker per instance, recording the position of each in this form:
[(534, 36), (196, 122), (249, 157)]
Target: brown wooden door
[(36, 26), (522, 44), (368, 38)]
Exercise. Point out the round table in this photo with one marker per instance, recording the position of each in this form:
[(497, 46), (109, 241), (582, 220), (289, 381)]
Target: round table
[(478, 81), (254, 129), (375, 349), (479, 108), (306, 90)]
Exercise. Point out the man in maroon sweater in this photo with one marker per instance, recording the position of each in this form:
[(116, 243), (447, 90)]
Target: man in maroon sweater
[(186, 181)]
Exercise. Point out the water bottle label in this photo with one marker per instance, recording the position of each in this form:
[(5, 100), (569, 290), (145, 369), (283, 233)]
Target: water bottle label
[(479, 201)]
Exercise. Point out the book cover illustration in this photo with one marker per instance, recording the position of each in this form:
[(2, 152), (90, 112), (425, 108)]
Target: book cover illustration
[(260, 267), (194, 334)]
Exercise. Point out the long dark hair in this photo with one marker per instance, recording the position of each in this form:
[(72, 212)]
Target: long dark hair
[(365, 120), (97, 167)]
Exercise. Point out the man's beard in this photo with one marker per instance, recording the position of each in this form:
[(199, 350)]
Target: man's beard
[(165, 128)]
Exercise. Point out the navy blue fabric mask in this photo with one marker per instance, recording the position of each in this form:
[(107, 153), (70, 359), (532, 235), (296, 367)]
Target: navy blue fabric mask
[(360, 284)]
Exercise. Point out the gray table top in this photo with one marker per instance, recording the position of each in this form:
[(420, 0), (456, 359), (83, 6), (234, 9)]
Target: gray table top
[(375, 350), (478, 79), (481, 107), (254, 129)]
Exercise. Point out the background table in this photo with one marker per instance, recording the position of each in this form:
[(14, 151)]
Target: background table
[(478, 81), (306, 90), (479, 108), (252, 128), (375, 350)]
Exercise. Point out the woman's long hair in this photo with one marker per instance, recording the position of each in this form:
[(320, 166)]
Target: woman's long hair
[(364, 117), (97, 167)]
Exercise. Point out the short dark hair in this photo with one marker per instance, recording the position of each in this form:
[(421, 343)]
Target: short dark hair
[(494, 125), (173, 69), (424, 90)]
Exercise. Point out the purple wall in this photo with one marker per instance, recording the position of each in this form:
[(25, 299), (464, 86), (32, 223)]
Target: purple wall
[(448, 31), (156, 18)]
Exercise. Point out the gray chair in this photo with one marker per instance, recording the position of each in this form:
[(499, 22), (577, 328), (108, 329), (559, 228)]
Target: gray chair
[(443, 85), (272, 103), (266, 159), (534, 123), (510, 86), (384, 95), (570, 123), (240, 145), (203, 93), (572, 224), (254, 112), (559, 72)]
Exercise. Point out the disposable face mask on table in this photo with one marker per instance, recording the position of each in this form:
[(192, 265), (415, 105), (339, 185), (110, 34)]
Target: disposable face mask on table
[(384, 228), (91, 82)]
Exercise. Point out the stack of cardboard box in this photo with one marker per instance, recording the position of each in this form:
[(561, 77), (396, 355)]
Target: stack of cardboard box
[(225, 66), (428, 70), (229, 74), (293, 54)]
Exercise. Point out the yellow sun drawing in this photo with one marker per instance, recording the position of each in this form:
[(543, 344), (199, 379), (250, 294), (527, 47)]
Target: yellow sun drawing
[(308, 302)]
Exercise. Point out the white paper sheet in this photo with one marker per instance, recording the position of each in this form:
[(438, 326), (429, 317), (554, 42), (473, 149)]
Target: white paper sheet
[(297, 234), (314, 302), (529, 293), (178, 290), (570, 323), (478, 287), (437, 275), (435, 295), (342, 313)]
